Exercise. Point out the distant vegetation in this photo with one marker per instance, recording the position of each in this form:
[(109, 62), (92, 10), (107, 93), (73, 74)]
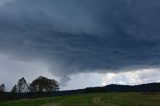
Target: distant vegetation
[(96, 99), (41, 84)]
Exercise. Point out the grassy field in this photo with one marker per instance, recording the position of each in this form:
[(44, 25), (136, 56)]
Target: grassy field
[(100, 99)]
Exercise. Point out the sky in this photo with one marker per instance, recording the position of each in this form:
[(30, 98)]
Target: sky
[(92, 42)]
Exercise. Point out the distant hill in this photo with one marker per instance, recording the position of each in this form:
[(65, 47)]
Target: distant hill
[(145, 88), (151, 87)]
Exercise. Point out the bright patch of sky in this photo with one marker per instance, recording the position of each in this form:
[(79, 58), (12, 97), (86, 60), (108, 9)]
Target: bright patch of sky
[(133, 77), (12, 70), (125, 78)]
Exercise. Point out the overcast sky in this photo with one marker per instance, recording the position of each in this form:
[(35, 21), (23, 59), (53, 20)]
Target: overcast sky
[(92, 42)]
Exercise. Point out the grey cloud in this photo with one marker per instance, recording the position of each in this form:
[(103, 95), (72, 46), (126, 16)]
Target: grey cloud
[(11, 70), (82, 36)]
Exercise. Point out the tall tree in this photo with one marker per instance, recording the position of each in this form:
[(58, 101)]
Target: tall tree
[(42, 84), (14, 89), (21, 87), (2, 88)]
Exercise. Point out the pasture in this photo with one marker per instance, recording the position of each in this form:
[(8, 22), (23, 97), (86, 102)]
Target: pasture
[(97, 99)]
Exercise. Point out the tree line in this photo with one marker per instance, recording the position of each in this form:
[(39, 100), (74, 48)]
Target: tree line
[(40, 84)]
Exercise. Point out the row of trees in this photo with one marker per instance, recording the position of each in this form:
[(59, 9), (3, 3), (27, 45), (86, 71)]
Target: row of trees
[(41, 84)]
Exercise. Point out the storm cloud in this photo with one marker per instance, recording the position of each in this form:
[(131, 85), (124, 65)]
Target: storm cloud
[(80, 36)]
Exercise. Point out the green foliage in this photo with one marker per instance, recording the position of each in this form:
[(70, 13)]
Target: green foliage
[(42, 84), (100, 99)]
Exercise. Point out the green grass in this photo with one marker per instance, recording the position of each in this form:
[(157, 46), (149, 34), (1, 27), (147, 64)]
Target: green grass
[(100, 99)]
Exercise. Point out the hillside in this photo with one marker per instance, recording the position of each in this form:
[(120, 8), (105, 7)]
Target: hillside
[(96, 99)]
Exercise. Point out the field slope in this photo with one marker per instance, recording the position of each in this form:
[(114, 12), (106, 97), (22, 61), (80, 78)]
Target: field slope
[(99, 99)]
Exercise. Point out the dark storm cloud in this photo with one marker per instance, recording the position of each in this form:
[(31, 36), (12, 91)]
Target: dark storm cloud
[(75, 36)]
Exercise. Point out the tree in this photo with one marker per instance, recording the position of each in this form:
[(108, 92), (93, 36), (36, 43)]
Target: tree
[(21, 87), (42, 84), (14, 89), (2, 88)]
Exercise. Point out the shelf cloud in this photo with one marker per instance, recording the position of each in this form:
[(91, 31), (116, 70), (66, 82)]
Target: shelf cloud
[(81, 36)]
